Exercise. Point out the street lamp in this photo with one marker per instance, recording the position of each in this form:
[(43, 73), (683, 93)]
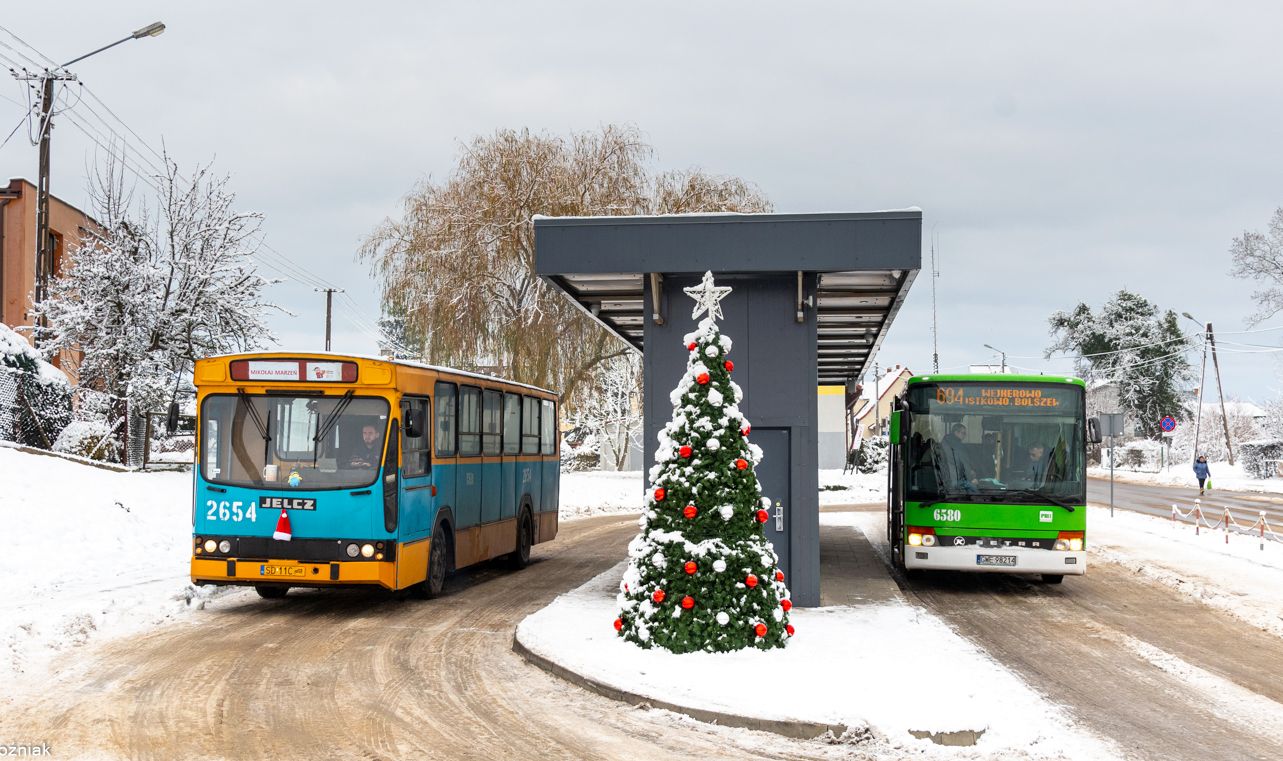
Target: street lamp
[(44, 241), (1004, 357)]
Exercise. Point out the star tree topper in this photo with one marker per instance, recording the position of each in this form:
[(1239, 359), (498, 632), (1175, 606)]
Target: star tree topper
[(707, 296)]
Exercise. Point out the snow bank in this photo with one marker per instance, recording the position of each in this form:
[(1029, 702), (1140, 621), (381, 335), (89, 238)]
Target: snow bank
[(90, 554), (1224, 476), (1238, 578), (838, 488), (847, 666)]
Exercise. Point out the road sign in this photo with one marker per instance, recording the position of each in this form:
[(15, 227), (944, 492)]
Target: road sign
[(1111, 424), (1168, 423)]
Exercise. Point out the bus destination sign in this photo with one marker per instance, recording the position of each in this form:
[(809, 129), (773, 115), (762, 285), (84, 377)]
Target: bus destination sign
[(980, 395)]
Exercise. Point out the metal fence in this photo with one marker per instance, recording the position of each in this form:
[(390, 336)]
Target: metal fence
[(73, 420), (163, 448)]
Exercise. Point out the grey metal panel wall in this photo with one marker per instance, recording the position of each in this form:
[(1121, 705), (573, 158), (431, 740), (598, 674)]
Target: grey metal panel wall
[(775, 365)]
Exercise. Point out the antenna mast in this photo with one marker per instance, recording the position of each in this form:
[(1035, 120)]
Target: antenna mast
[(935, 330)]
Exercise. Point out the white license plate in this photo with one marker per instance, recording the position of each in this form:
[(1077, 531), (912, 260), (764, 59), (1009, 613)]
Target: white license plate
[(996, 560)]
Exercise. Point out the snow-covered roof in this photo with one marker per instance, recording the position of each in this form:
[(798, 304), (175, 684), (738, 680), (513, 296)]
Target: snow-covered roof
[(884, 384), (14, 345)]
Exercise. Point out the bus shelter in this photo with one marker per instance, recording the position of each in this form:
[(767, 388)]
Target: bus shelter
[(814, 296)]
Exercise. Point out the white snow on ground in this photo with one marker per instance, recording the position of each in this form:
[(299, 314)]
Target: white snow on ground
[(838, 488), (1224, 476), (89, 555), (1239, 577), (848, 666)]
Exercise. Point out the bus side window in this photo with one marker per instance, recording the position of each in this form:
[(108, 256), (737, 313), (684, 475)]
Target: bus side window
[(446, 394), (414, 449), (547, 428), (490, 422), (511, 424), (469, 421), (529, 425)]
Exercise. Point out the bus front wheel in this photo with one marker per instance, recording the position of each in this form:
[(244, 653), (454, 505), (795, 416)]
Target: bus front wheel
[(1052, 578), (438, 565), (269, 592)]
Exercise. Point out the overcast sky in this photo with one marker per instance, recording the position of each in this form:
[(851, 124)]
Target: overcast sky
[(1058, 154)]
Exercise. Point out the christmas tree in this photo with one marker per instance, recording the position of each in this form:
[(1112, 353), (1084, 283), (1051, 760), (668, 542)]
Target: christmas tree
[(701, 574)]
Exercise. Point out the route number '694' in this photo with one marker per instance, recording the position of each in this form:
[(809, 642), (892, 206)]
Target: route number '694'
[(948, 515), (231, 511)]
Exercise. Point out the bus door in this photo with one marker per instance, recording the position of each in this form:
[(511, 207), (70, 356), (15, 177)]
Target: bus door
[(416, 467), (511, 472), (491, 450), (530, 470), (467, 479), (445, 445)]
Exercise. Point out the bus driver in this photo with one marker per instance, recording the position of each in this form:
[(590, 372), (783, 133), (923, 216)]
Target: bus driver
[(366, 454)]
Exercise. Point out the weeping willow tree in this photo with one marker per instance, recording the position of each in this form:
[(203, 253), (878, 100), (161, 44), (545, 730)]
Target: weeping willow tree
[(457, 268)]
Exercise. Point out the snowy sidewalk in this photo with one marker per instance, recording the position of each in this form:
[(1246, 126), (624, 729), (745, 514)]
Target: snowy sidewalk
[(862, 669)]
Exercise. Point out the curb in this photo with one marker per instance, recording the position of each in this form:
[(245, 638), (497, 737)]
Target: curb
[(797, 730)]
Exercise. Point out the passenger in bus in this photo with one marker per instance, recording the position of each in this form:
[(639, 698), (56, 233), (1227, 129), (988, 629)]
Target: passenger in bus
[(959, 472), (366, 454), (1035, 468)]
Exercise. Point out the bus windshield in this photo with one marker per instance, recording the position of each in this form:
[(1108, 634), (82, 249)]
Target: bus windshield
[(288, 441), (995, 441)]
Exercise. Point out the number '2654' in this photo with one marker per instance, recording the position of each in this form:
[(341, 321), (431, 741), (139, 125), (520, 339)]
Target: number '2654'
[(231, 511)]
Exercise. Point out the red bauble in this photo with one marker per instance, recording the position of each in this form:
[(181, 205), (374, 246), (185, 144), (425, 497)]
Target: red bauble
[(760, 630), (786, 604), (789, 628), (729, 365), (691, 346), (741, 464), (746, 430), (702, 379), (688, 602), (762, 516), (685, 451), (690, 567), (658, 596), (659, 494), (779, 576), (750, 581), (689, 511), (619, 624)]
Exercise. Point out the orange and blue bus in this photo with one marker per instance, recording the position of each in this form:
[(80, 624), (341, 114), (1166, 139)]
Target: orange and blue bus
[(322, 470)]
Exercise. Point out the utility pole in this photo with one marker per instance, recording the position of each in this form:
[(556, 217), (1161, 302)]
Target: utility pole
[(935, 328), (44, 240), (877, 406), (1225, 422), (1202, 388), (329, 310)]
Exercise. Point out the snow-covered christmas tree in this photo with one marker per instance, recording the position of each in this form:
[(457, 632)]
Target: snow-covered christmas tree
[(701, 574)]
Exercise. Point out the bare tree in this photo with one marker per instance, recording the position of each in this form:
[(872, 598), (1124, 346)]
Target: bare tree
[(458, 265), (611, 409), (1259, 256)]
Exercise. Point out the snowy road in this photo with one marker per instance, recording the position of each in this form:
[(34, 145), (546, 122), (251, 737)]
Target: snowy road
[(1245, 507), (1162, 675), (355, 675)]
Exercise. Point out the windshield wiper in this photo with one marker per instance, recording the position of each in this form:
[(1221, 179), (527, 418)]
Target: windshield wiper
[(331, 419), (1043, 495), (243, 398)]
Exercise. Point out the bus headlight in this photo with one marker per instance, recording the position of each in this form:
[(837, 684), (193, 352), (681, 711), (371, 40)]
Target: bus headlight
[(367, 550), (928, 540), (1061, 545), (1075, 545), (353, 550), (210, 545), (1070, 541), (224, 546), (915, 540)]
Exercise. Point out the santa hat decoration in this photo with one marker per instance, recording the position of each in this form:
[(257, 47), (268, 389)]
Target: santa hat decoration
[(282, 531)]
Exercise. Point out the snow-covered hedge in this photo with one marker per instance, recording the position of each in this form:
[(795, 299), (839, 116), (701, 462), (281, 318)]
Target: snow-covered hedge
[(35, 398), (89, 439), (871, 455), (1141, 455), (1260, 458)]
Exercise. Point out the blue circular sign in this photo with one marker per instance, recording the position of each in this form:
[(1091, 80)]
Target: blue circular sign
[(1168, 424)]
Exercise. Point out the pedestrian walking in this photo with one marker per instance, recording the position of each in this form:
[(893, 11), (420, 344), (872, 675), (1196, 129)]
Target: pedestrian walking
[(1201, 472)]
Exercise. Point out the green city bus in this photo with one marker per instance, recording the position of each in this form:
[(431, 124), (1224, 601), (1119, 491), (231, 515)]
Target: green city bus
[(988, 473)]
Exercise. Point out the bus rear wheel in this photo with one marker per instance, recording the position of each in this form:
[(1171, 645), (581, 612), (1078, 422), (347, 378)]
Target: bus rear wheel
[(270, 592), (1052, 578), (438, 565), (520, 557)]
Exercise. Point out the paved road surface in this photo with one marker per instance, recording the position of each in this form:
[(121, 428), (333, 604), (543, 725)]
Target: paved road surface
[(1158, 500), (344, 674)]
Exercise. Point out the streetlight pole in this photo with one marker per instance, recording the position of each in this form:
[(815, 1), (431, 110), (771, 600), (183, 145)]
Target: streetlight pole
[(1004, 358), (44, 241), (1209, 337)]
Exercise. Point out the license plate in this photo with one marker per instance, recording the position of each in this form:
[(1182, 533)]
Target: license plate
[(998, 560), (281, 570)]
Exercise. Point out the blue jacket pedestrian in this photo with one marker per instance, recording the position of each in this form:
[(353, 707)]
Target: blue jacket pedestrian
[(1201, 472)]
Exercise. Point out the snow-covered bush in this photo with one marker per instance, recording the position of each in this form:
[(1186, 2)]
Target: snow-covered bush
[(1260, 458), (580, 451), (1142, 454), (35, 398), (871, 455), (92, 440)]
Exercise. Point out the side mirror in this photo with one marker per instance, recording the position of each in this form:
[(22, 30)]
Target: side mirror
[(1093, 431), (171, 418), (414, 424)]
